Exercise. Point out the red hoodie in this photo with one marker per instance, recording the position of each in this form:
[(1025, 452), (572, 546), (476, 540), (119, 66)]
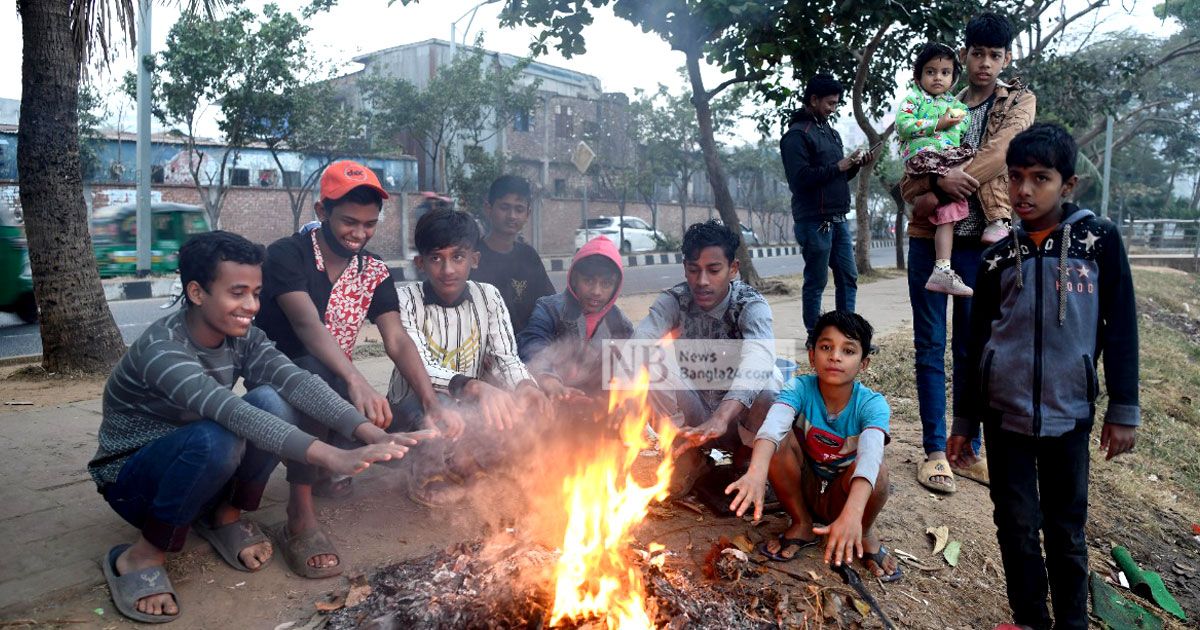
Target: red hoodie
[(599, 246)]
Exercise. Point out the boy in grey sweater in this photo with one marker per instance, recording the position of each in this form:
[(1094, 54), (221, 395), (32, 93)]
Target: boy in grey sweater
[(179, 450)]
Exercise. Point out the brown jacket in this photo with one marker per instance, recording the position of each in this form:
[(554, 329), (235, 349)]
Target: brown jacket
[(1012, 112)]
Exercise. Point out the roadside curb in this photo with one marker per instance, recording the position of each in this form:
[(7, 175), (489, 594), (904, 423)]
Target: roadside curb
[(116, 291), (20, 359)]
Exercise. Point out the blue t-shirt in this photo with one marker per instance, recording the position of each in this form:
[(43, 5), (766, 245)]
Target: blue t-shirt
[(831, 443)]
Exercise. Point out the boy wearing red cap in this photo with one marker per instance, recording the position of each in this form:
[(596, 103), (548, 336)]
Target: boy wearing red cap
[(318, 287)]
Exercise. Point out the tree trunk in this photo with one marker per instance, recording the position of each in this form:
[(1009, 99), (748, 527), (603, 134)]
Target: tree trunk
[(78, 331), (862, 217), (712, 165), (898, 197), (862, 248)]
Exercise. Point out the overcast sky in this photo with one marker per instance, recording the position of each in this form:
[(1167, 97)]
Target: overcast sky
[(618, 53)]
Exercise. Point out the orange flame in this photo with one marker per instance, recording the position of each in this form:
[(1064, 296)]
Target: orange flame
[(594, 577)]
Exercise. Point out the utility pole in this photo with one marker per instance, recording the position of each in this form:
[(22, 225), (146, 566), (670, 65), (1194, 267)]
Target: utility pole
[(144, 229), (1108, 142)]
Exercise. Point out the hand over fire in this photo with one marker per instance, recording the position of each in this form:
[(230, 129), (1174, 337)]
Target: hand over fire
[(697, 436), (751, 489)]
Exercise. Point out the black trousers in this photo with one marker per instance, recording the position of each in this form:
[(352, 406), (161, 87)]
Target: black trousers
[(1041, 484)]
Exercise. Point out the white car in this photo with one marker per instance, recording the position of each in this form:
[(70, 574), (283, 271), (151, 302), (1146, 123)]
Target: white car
[(638, 236)]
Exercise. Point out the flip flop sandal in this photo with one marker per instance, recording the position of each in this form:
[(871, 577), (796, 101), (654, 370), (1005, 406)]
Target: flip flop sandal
[(937, 468), (977, 472), (231, 540), (127, 589), (329, 489), (297, 549), (877, 558), (784, 543), (437, 491)]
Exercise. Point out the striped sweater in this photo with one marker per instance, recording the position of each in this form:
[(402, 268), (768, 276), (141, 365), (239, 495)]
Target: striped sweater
[(471, 338), (166, 380)]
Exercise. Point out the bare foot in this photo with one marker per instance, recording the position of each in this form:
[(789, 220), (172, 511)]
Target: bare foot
[(144, 555)]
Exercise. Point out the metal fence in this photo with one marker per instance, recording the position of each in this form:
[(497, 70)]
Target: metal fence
[(1170, 242)]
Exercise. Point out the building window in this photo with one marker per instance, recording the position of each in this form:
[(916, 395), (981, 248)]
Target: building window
[(591, 128), (560, 188), (564, 122), (291, 179), (156, 174), (239, 177), (268, 178), (522, 121)]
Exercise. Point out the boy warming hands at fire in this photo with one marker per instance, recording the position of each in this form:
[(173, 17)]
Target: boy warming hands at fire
[(821, 447)]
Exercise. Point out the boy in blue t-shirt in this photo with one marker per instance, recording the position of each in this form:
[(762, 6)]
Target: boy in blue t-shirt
[(821, 446)]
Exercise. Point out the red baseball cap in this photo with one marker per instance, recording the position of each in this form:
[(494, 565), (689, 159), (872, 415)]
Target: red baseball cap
[(343, 176)]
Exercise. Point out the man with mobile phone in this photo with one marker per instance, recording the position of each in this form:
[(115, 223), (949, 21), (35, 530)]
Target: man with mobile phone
[(819, 174)]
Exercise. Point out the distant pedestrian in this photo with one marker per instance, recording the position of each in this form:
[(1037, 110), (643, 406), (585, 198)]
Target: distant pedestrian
[(819, 175)]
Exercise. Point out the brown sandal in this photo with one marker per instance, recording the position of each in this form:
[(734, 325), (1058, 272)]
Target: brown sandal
[(297, 549)]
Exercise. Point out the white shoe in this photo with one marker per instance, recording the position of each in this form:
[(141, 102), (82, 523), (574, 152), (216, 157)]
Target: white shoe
[(948, 282), (994, 233)]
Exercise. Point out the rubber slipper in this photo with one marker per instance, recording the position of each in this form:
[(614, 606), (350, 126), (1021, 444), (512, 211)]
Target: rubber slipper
[(936, 468), (437, 491), (127, 589), (784, 543), (977, 472), (877, 558), (329, 489), (297, 549), (230, 540)]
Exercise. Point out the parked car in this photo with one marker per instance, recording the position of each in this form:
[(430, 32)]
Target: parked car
[(16, 280), (637, 236), (749, 237), (114, 236)]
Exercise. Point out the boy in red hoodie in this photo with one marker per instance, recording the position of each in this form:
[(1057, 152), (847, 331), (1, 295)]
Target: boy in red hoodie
[(562, 342)]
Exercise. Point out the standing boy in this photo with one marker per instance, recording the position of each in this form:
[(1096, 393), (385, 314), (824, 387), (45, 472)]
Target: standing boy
[(510, 265), (821, 446), (563, 341), (998, 111), (179, 450), (1053, 296), (319, 287), (713, 306), (465, 339)]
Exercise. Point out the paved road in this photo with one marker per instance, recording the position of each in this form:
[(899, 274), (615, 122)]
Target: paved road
[(17, 338)]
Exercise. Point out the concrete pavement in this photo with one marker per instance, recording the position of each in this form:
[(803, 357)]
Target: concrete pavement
[(56, 526)]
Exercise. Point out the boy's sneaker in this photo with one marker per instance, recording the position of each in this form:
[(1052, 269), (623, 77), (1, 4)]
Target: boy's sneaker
[(994, 232), (948, 282)]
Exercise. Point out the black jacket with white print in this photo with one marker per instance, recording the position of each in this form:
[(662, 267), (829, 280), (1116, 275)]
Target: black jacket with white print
[(1041, 318)]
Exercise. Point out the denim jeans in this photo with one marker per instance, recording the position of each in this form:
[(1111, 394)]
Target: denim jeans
[(172, 481), (929, 336), (1040, 484), (826, 246)]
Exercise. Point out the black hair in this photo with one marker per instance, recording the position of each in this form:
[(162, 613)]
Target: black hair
[(820, 86), (935, 50), (850, 324), (202, 253), (990, 30), (358, 194), (1044, 144), (708, 234), (440, 229), (596, 265), (509, 185)]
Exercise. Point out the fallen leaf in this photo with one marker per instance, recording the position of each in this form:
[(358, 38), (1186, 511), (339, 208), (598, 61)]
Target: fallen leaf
[(736, 553), (359, 590), (331, 603), (951, 553), (813, 575), (742, 542), (1195, 528), (98, 611), (861, 606), (941, 536)]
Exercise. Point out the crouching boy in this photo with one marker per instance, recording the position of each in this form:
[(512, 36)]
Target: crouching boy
[(1051, 297), (821, 447), (179, 450), (465, 338), (563, 341)]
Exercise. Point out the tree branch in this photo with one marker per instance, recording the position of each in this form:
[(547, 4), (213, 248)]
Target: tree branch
[(860, 82), (1062, 25), (1098, 128), (753, 76)]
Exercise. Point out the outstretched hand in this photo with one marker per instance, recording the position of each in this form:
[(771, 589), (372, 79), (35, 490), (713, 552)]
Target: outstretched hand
[(751, 490)]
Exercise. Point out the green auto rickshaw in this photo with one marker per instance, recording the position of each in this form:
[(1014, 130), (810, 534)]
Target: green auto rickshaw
[(114, 236), (16, 280)]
